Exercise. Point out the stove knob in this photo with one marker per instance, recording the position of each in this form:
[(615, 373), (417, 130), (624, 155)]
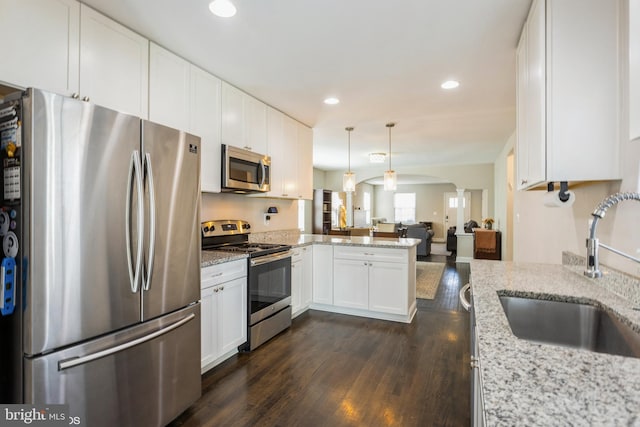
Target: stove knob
[(206, 229), (246, 226), (213, 227)]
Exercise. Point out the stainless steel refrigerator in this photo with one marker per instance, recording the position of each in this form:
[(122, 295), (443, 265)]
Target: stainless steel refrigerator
[(101, 261)]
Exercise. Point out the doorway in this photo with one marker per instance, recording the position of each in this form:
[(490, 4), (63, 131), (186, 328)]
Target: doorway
[(451, 208)]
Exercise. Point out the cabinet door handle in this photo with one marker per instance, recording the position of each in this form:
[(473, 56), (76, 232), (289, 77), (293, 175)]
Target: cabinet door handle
[(465, 302), (217, 274), (216, 290), (222, 288), (523, 181)]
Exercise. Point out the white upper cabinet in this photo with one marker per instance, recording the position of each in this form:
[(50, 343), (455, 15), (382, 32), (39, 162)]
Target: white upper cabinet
[(291, 151), (185, 97), (305, 162), (634, 69), (569, 92), (255, 125), (275, 149), (46, 56), (168, 88), (114, 64), (244, 120), (204, 116)]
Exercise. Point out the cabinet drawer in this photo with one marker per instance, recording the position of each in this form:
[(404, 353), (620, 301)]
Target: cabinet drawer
[(298, 253), (221, 273), (371, 254)]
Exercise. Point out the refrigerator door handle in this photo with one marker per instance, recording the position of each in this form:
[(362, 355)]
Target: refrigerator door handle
[(134, 172), (152, 222), (81, 360)]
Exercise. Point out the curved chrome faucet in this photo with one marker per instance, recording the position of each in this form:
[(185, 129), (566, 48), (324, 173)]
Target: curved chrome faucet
[(593, 244)]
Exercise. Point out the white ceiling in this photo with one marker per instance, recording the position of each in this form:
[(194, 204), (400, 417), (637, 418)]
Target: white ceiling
[(385, 60)]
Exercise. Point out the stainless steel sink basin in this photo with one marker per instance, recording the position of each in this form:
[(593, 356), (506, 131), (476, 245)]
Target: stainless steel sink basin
[(571, 324)]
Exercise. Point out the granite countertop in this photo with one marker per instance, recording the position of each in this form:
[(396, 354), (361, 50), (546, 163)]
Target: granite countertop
[(321, 239), (217, 257), (208, 258), (525, 383)]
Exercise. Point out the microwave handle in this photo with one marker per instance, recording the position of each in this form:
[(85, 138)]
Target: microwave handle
[(263, 173)]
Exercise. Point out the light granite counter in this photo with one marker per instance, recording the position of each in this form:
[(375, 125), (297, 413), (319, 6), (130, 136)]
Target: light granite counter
[(525, 383), (217, 257), (208, 258), (321, 239)]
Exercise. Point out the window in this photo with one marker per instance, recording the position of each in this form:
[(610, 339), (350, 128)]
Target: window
[(404, 205), (453, 202)]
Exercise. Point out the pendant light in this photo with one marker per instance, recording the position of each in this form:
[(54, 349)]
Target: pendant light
[(349, 178), (390, 177)]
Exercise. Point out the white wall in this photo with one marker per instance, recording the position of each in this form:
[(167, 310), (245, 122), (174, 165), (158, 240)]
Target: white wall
[(542, 233), (251, 209)]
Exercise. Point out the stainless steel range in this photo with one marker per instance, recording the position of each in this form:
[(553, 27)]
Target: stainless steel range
[(268, 281)]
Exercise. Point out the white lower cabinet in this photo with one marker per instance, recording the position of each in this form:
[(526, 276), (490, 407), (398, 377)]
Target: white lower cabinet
[(372, 279), (351, 283), (322, 274), (301, 279), (384, 295), (223, 311)]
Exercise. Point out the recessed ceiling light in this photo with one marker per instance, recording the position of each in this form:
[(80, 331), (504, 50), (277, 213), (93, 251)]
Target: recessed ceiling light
[(377, 157), (450, 84), (222, 8), (332, 101)]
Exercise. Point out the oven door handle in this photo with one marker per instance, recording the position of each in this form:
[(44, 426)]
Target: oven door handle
[(270, 258)]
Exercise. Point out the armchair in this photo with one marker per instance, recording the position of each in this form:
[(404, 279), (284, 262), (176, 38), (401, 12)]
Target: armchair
[(419, 231)]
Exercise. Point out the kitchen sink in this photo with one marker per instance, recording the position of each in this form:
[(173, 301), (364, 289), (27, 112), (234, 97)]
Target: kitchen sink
[(570, 324)]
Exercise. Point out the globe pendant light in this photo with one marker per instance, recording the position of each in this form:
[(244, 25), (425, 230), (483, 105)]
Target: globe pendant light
[(390, 177), (349, 178)]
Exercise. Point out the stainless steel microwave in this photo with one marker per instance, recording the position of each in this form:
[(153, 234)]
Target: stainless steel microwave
[(244, 171)]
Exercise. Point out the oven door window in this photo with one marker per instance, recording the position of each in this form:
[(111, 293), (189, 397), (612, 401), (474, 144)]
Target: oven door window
[(269, 283)]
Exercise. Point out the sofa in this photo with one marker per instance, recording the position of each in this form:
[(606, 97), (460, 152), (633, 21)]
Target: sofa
[(419, 231)]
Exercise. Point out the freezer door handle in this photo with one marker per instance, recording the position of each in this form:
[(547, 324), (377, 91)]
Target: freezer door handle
[(134, 173), (152, 222), (81, 360)]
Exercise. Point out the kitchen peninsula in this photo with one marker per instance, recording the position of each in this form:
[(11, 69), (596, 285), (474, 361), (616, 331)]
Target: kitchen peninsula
[(362, 276)]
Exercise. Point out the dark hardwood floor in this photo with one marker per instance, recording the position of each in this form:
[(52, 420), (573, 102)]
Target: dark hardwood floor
[(336, 370)]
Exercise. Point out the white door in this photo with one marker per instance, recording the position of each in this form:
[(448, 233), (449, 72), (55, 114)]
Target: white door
[(322, 287), (451, 208), (384, 294), (351, 280), (209, 326), (296, 286), (232, 306)]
